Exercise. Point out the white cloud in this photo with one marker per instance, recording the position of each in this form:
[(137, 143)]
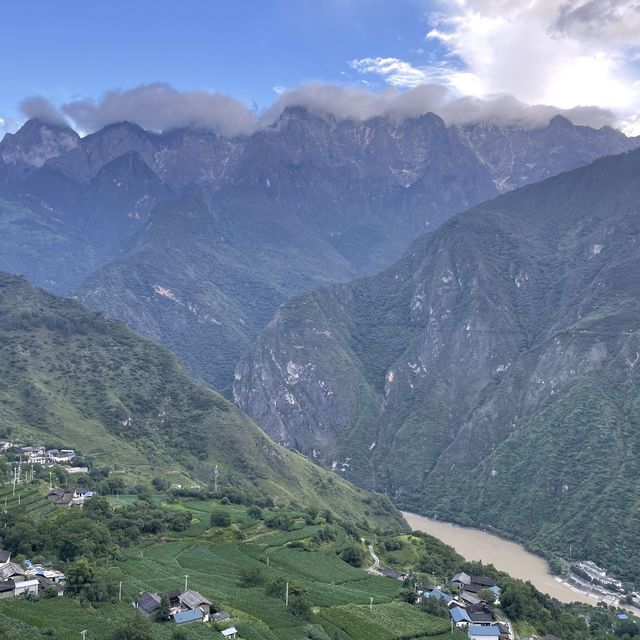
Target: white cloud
[(360, 104), (160, 107), (8, 125), (574, 53), (395, 72)]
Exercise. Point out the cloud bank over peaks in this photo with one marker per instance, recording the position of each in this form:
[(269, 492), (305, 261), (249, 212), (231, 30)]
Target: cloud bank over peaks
[(359, 104), (160, 107)]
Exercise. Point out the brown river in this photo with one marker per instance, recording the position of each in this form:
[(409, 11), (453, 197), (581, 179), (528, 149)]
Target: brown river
[(474, 544)]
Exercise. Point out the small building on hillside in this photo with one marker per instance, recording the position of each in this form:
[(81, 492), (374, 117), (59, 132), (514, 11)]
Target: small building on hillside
[(220, 616), (440, 595), (148, 604), (459, 616), (193, 600), (26, 587), (7, 588), (461, 579), (5, 556), (12, 571), (190, 615), (231, 632), (476, 632), (469, 598)]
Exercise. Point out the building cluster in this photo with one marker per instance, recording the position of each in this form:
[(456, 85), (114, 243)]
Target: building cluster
[(596, 575), (183, 608), (27, 579), (41, 455), (470, 606)]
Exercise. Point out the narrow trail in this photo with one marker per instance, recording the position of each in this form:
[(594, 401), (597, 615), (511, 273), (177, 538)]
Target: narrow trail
[(375, 567)]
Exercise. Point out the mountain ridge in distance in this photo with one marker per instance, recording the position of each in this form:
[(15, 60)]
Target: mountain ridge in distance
[(306, 202)]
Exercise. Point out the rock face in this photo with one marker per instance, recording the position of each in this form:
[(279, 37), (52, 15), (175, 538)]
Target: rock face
[(194, 239), (490, 376)]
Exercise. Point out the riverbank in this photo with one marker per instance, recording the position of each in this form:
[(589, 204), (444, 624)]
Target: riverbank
[(514, 559)]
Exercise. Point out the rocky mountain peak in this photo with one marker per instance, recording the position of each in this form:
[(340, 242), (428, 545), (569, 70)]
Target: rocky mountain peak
[(37, 141)]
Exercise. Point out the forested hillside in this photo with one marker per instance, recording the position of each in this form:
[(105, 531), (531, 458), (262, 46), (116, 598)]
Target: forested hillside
[(490, 376), (71, 377)]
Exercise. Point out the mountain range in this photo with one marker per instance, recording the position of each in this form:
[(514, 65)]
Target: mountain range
[(490, 376), (194, 239)]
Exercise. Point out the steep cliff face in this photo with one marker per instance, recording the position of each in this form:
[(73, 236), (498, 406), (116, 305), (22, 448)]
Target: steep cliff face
[(194, 239), (497, 357)]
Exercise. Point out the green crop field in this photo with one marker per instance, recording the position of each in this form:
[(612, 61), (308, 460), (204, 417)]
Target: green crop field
[(213, 559), (390, 621)]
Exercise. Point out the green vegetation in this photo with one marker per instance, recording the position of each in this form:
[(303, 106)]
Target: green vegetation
[(514, 328), (392, 621), (244, 568), (71, 376)]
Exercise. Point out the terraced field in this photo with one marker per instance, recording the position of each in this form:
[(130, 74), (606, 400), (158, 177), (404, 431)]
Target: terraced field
[(213, 559)]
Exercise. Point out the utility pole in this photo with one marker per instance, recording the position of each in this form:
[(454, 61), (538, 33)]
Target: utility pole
[(286, 596), (120, 592), (216, 473), (370, 604), (50, 480), (19, 499), (186, 582), (83, 634)]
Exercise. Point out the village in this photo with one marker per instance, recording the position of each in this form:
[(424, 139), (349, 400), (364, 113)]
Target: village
[(40, 455), (28, 579), (470, 601)]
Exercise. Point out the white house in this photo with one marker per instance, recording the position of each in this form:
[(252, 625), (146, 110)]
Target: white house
[(231, 632), (25, 587)]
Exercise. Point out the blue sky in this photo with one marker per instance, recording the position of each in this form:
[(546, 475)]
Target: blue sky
[(243, 47), (465, 59)]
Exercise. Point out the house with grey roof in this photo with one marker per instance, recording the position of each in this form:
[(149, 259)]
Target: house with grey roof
[(148, 605)]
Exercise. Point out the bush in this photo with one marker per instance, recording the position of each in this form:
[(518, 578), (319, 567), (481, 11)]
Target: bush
[(135, 628), (251, 577), (255, 512), (353, 556), (220, 519)]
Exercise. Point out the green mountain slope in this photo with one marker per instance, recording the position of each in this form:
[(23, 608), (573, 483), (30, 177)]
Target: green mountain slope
[(490, 376), (69, 376)]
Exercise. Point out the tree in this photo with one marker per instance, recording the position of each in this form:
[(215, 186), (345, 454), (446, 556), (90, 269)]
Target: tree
[(160, 484), (165, 608), (80, 575), (251, 576), (135, 628), (300, 606), (435, 607), (353, 556), (255, 512), (409, 595), (487, 595), (220, 518)]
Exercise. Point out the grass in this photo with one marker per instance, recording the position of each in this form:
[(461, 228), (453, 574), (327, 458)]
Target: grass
[(390, 621), (213, 560)]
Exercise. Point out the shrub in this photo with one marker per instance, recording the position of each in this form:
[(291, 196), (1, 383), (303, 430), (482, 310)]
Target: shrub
[(220, 519)]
